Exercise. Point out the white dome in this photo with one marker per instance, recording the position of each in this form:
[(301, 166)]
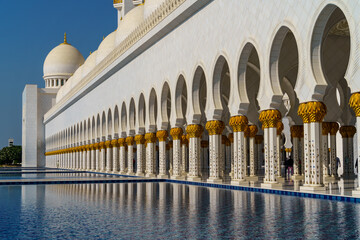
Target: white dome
[(106, 46), (70, 84), (129, 23), (62, 60), (89, 64), (76, 78), (150, 6)]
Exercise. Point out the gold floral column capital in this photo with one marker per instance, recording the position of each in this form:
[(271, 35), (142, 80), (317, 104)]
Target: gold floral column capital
[(130, 141), (238, 123), (347, 131), (194, 130), (253, 129), (231, 137), (176, 133), (326, 128), (312, 111), (297, 131), (162, 135), (108, 144), (101, 145), (115, 143), (184, 140), (215, 127), (334, 127), (150, 137), (288, 150), (270, 118), (354, 103), (139, 139), (121, 142)]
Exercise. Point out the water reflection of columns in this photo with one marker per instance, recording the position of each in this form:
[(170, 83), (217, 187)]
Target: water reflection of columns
[(215, 129), (162, 136), (150, 154)]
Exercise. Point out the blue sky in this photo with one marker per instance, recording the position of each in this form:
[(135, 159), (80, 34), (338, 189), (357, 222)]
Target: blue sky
[(29, 30)]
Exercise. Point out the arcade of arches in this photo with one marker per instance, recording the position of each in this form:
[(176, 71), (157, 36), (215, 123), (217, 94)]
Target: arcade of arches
[(233, 139)]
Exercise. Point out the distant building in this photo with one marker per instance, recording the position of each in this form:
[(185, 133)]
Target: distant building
[(11, 142)]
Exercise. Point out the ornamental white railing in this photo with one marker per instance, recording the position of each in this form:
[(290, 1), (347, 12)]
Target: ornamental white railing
[(144, 27)]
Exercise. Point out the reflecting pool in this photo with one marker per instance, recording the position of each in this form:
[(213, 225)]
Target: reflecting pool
[(168, 211)]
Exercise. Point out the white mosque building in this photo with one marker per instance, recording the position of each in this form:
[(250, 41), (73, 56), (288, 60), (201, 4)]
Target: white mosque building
[(206, 90)]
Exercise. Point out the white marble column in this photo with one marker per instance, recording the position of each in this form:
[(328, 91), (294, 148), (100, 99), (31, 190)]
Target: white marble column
[(279, 129), (258, 141), (140, 141), (253, 154), (150, 139), (239, 124), (176, 134), (88, 157), (184, 155), (333, 131), (312, 114), (194, 132), (130, 144), (347, 133), (162, 136), (204, 160), (115, 156), (231, 139), (102, 156), (122, 156), (215, 129), (326, 127), (270, 119), (355, 105), (97, 157), (93, 158), (296, 134), (109, 155)]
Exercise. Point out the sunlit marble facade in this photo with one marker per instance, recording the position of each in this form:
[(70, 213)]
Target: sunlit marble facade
[(217, 91)]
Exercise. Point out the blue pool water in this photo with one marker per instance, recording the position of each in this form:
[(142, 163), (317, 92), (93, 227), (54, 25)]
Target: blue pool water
[(168, 211), (57, 175)]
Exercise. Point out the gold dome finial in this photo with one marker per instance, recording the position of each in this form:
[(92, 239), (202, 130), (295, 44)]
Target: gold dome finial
[(65, 39)]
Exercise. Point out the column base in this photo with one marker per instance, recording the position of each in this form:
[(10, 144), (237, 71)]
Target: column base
[(130, 173), (310, 188), (109, 171), (280, 179), (252, 179), (122, 173), (356, 193), (274, 185), (140, 174), (297, 177), (215, 180), (150, 175), (178, 177), (241, 182), (162, 176), (194, 179)]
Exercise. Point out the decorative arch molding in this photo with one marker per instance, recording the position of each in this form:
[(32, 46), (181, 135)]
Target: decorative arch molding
[(116, 122), (124, 119), (181, 100), (132, 116), (165, 105), (199, 78), (153, 110), (316, 34)]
